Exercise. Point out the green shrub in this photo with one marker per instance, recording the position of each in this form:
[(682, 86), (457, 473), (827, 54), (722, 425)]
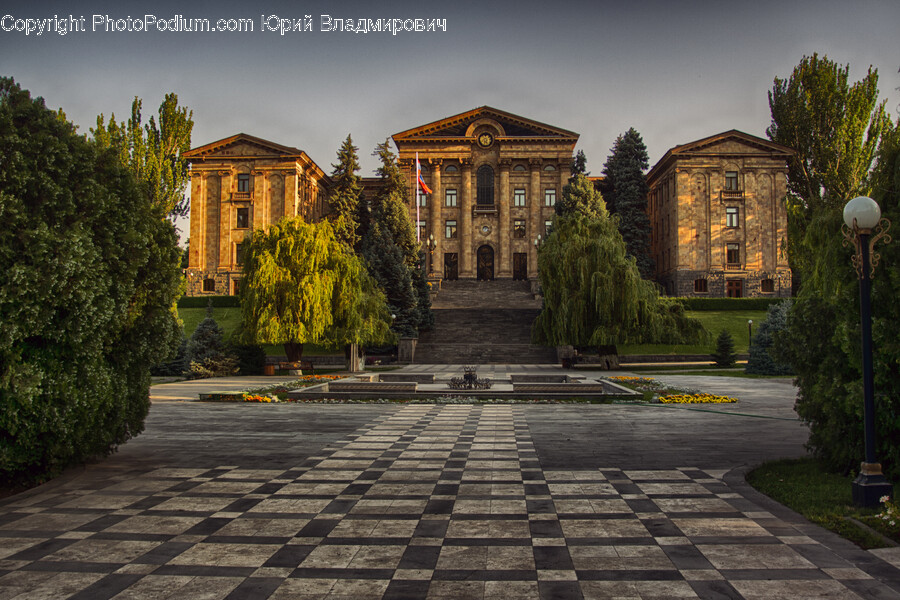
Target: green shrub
[(204, 301), (89, 272), (251, 358), (724, 354), (206, 354), (761, 361)]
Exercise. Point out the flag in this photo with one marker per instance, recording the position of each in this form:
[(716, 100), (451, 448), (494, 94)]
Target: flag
[(421, 182)]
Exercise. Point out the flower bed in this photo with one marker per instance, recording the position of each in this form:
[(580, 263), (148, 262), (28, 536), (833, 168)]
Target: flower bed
[(696, 399)]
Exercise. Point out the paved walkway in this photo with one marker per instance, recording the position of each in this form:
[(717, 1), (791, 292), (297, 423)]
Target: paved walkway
[(424, 501)]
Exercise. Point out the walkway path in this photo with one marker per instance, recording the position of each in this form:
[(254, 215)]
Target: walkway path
[(425, 501)]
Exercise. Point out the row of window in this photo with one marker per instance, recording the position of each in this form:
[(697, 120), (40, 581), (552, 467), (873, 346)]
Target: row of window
[(451, 168), (519, 229), (451, 197)]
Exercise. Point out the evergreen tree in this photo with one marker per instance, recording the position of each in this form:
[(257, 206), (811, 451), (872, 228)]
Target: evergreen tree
[(625, 191), (593, 293), (761, 361), (346, 194), (153, 152), (301, 285), (384, 260), (206, 353), (389, 210), (724, 355), (423, 292), (579, 165)]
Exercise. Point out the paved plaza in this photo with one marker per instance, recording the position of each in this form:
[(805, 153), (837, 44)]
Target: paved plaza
[(447, 501)]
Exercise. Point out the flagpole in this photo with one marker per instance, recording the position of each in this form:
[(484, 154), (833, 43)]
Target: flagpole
[(418, 232)]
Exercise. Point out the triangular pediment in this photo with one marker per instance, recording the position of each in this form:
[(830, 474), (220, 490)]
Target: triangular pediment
[(242, 145), (459, 126), (731, 143)]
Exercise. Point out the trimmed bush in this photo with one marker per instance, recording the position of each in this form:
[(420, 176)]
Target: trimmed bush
[(204, 301), (728, 303), (89, 272)]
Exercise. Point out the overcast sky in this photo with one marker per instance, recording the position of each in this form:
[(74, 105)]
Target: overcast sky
[(674, 70)]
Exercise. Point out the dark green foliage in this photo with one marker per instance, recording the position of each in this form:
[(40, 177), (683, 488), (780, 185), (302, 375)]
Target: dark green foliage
[(761, 361), (173, 366), (89, 271), (389, 210), (822, 340), (724, 355), (251, 358), (728, 303), (203, 301), (423, 293), (593, 293), (625, 191), (384, 260), (579, 164), (345, 195)]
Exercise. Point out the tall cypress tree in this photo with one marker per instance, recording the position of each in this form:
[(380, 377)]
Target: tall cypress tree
[(346, 194), (625, 191)]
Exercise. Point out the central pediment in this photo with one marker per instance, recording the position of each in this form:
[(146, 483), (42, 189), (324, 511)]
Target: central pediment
[(243, 145), (462, 125)]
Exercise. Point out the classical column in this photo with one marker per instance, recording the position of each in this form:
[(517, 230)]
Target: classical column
[(290, 193), (534, 215), (503, 246), (466, 268), (226, 256), (259, 208), (196, 259), (434, 219)]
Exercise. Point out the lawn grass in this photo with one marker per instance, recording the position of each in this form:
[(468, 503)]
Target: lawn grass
[(822, 497), (735, 321)]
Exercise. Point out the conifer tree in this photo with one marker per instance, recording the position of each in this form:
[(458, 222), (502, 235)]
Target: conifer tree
[(385, 262), (206, 353), (724, 354), (625, 191), (346, 194), (389, 206)]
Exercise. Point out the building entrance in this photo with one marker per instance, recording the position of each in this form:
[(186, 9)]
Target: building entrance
[(520, 265), (485, 263), (451, 265), (734, 288)]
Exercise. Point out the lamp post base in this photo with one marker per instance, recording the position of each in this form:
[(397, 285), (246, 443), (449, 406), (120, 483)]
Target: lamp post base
[(870, 486)]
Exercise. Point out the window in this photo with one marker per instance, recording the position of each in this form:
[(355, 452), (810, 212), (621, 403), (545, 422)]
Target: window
[(450, 198), (731, 181), (423, 198), (239, 254), (767, 286), (519, 228), (243, 218), (519, 168), (243, 182), (209, 285), (451, 169), (550, 197), (733, 254), (549, 168), (731, 216), (451, 230), (548, 225), (485, 180), (235, 287), (422, 230), (700, 286), (519, 197)]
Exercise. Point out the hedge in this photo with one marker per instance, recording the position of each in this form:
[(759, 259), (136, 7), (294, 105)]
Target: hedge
[(203, 301), (729, 303)]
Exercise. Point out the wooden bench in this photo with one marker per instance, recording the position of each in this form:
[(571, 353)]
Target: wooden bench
[(303, 365)]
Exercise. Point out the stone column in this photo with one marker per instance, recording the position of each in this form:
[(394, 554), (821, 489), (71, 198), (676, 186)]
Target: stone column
[(504, 269), (534, 215), (196, 259), (259, 208), (466, 268), (290, 193), (226, 256), (434, 219)]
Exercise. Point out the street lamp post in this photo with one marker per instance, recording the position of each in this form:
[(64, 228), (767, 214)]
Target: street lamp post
[(862, 216), (750, 332), (431, 244)]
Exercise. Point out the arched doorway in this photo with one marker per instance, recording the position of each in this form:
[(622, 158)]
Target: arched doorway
[(485, 263)]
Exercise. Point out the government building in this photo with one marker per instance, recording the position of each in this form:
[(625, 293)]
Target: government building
[(715, 205)]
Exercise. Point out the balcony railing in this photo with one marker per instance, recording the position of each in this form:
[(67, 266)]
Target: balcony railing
[(242, 196), (733, 267), (731, 194), (484, 209)]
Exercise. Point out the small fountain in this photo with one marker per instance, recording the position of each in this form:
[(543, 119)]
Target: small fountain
[(469, 381)]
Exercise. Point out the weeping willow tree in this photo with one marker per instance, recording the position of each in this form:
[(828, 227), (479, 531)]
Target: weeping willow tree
[(593, 292), (301, 285)]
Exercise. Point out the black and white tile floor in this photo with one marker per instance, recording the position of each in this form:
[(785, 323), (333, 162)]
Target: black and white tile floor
[(425, 501)]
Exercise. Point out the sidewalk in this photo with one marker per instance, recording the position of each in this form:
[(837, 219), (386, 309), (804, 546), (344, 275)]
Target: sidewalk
[(425, 501)]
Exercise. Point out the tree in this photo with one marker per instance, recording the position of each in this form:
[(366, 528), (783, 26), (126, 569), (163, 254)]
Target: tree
[(206, 354), (761, 361), (301, 285), (625, 190), (346, 194), (724, 355), (593, 292), (835, 128), (389, 206), (89, 271), (153, 152), (384, 260), (579, 165)]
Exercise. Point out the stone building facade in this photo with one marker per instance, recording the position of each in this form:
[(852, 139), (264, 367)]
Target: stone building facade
[(237, 184), (494, 178), (719, 222)]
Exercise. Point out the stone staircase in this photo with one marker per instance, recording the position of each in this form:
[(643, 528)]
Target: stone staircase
[(483, 322)]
